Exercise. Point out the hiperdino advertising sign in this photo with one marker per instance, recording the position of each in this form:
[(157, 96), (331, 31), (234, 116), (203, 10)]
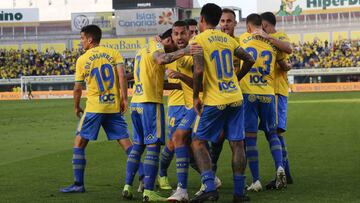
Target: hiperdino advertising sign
[(19, 15), (299, 7)]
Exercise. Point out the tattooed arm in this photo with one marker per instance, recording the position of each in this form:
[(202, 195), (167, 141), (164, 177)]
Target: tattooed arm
[(248, 62), (198, 78), (166, 58)]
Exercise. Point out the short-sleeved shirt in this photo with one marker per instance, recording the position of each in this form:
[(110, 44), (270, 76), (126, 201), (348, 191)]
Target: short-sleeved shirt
[(281, 83), (148, 76), (176, 97), (261, 76), (220, 84), (97, 67)]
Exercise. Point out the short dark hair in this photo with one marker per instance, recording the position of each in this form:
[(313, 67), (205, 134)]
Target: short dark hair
[(270, 17), (227, 10), (166, 34), (211, 13), (92, 31), (191, 21), (254, 19), (181, 23)]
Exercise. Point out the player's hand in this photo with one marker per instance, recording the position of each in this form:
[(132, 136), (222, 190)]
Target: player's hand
[(198, 106), (261, 33), (157, 38), (123, 105), (193, 49), (173, 74), (79, 112)]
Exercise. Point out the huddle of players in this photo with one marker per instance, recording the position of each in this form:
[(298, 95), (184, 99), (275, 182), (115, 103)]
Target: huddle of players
[(212, 104)]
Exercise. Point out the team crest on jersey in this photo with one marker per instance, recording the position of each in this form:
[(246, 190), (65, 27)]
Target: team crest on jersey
[(184, 121), (138, 89), (252, 98)]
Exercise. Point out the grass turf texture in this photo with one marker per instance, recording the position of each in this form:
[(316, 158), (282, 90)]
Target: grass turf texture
[(36, 140)]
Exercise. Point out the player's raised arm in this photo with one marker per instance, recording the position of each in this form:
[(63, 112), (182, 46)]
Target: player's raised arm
[(198, 78), (120, 68), (165, 58), (177, 75), (171, 86), (284, 65), (280, 44), (248, 62)]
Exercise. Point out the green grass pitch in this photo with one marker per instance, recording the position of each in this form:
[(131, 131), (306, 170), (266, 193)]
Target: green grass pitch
[(36, 140)]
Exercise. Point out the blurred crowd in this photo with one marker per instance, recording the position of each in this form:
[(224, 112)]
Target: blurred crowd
[(17, 63), (322, 54), (318, 54)]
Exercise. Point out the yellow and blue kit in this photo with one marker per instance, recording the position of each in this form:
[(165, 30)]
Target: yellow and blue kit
[(176, 104), (222, 97), (97, 67), (147, 109), (281, 86), (258, 84)]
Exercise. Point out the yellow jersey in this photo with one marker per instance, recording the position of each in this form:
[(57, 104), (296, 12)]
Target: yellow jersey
[(176, 97), (261, 76), (185, 66), (236, 60), (220, 84), (281, 84), (148, 76), (97, 67)]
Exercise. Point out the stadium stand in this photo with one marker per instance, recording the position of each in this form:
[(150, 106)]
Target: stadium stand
[(317, 54), (31, 62), (322, 54)]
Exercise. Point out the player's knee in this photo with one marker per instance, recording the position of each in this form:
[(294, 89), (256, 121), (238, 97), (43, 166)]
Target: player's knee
[(125, 143), (179, 138), (197, 144), (80, 142), (237, 146), (170, 145), (221, 137)]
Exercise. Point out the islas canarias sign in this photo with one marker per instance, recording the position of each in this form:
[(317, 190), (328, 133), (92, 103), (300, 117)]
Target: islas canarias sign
[(302, 7)]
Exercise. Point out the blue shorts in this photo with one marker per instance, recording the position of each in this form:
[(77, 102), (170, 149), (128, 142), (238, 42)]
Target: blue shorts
[(148, 123), (263, 107), (175, 114), (214, 119), (282, 102), (113, 123), (187, 123)]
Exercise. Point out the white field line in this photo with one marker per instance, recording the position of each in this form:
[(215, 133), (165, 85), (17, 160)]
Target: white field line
[(326, 101)]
